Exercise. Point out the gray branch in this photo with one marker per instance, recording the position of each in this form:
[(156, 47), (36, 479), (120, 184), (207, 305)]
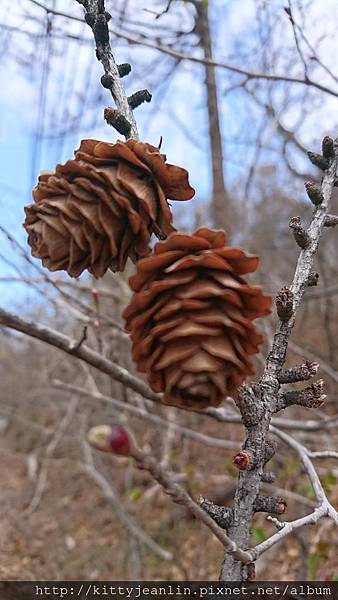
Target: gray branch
[(83, 352), (263, 397), (97, 18)]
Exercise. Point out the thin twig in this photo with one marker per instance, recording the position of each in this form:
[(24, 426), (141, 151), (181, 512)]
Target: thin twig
[(55, 440), (324, 508), (70, 346), (183, 56), (257, 402), (181, 496), (97, 18), (109, 493), (139, 412)]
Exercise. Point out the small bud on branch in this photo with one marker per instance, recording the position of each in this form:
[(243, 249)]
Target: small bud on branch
[(114, 439), (319, 161), (299, 232), (313, 279), (278, 524), (124, 69), (284, 304), (222, 515), (299, 373), (331, 221), (243, 460), (117, 120), (107, 81), (310, 397), (327, 147), (138, 98), (314, 192), (270, 504)]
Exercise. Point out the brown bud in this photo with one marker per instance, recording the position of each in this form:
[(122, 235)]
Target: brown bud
[(117, 120), (138, 98), (124, 69), (243, 460), (284, 304), (319, 161), (314, 192), (313, 279), (299, 232), (327, 147)]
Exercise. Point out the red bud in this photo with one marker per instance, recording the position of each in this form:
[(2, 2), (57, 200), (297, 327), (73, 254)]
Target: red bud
[(141, 467), (243, 460), (110, 438)]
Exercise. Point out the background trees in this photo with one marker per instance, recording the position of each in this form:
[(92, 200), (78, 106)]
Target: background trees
[(242, 129)]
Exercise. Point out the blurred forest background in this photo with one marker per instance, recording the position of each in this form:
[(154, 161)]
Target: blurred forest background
[(243, 133)]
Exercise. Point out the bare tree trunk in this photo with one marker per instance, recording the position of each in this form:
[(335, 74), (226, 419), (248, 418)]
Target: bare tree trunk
[(220, 204)]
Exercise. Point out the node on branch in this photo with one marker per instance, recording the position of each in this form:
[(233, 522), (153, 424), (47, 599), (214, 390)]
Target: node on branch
[(299, 232), (284, 304), (327, 147), (314, 192), (318, 160)]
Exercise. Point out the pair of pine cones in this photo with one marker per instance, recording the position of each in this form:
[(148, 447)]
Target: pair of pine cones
[(191, 316)]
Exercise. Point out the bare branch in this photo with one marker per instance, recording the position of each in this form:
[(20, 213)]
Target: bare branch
[(299, 373), (265, 393), (124, 517), (181, 496), (311, 397), (324, 508), (61, 341), (182, 56), (139, 412), (55, 440), (97, 18), (323, 454)]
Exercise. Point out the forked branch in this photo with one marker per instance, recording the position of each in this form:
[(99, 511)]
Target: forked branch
[(258, 402)]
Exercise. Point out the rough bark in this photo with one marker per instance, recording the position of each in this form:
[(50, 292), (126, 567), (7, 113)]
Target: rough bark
[(258, 402)]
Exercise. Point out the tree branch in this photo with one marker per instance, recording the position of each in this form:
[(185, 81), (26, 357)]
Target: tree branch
[(83, 352), (89, 356), (263, 396), (324, 508), (140, 412), (214, 63), (109, 493), (97, 18)]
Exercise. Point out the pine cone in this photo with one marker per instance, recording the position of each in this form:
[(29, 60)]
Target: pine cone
[(102, 207), (190, 318)]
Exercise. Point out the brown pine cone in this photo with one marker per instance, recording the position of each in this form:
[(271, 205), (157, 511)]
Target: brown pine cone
[(102, 207), (191, 318)]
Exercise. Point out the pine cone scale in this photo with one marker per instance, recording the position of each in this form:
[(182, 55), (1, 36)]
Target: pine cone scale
[(191, 318), (104, 204)]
